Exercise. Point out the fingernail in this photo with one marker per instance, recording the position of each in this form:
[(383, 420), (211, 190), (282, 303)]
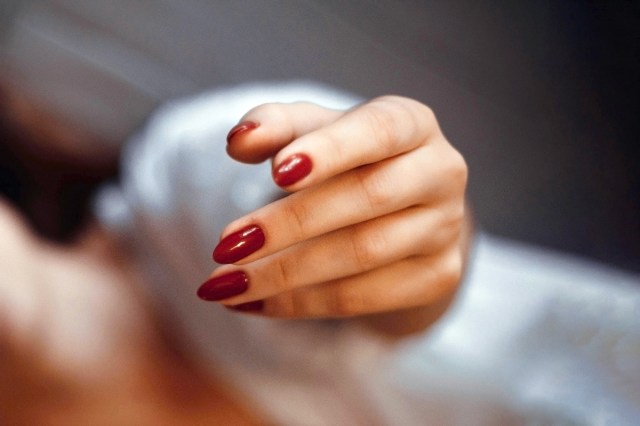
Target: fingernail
[(292, 170), (224, 286), (254, 306), (239, 128), (239, 245)]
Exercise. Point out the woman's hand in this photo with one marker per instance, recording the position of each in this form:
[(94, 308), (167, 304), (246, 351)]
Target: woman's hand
[(375, 222)]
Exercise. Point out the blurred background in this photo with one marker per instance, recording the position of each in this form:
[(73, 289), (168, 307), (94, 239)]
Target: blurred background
[(541, 97)]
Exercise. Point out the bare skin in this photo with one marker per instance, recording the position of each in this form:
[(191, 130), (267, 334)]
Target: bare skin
[(377, 229), (136, 376), (398, 219)]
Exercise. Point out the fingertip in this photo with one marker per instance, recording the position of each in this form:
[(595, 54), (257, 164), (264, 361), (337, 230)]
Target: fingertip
[(264, 130), (292, 170), (249, 155), (239, 244), (239, 145), (240, 129), (252, 142)]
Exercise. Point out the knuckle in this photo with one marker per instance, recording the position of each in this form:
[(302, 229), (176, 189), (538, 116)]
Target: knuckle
[(458, 168), (284, 305), (454, 171), (456, 220), (450, 272), (298, 218), (369, 247), (425, 115), (452, 220), (344, 302), (375, 186), (284, 274), (412, 107), (412, 116), (384, 124), (333, 139)]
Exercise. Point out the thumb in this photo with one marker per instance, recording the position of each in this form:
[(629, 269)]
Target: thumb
[(266, 129)]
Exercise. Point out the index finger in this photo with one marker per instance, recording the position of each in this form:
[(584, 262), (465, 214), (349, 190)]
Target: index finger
[(374, 131)]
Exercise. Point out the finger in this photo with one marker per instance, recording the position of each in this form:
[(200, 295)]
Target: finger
[(267, 128), (409, 283), (357, 196), (382, 128), (345, 252)]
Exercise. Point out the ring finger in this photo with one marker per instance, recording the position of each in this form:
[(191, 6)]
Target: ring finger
[(349, 251)]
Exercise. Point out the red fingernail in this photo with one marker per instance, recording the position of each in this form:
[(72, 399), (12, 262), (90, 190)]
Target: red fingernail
[(239, 128), (255, 306), (292, 170), (224, 286), (239, 245)]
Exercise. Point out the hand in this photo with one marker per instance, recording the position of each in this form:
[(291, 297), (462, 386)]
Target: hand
[(375, 222)]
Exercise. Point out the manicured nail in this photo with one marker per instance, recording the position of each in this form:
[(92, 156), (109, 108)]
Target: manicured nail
[(239, 245), (224, 286), (239, 128), (292, 170), (254, 306)]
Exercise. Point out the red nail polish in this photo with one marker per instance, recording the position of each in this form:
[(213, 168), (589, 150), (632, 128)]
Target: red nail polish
[(224, 286), (239, 245), (254, 306), (292, 169), (239, 128)]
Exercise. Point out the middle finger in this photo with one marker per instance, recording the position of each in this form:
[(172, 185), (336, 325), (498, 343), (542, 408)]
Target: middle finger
[(353, 197), (345, 252)]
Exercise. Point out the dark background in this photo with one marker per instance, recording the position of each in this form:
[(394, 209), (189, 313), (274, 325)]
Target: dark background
[(540, 97)]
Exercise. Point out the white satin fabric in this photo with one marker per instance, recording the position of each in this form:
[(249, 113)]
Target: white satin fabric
[(535, 337)]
